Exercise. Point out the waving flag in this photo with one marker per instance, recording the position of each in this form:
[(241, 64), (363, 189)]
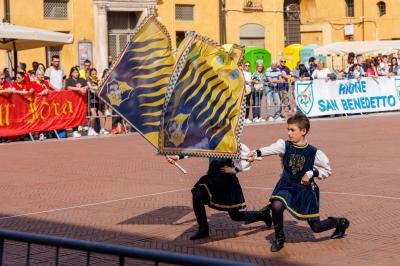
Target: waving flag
[(202, 115), (138, 81)]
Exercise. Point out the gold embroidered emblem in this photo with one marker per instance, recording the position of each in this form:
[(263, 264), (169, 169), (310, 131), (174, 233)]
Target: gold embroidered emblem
[(296, 163)]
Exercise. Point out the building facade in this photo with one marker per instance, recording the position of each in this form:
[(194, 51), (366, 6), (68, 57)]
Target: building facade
[(323, 21), (101, 28)]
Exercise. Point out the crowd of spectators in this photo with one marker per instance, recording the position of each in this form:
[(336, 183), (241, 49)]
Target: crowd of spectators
[(40, 81), (278, 80)]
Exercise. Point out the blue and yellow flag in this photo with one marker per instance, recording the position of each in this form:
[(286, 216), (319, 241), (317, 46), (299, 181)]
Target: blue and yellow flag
[(203, 112), (138, 81)]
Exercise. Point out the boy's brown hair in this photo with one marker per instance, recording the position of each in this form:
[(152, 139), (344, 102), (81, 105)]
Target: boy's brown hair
[(300, 120)]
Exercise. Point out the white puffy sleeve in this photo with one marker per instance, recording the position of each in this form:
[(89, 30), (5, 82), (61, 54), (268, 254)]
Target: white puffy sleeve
[(322, 168), (277, 148)]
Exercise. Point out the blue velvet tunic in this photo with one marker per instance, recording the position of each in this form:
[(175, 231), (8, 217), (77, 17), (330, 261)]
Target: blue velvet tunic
[(300, 200)]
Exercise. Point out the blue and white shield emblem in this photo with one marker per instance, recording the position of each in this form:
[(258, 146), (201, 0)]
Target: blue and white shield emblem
[(304, 96)]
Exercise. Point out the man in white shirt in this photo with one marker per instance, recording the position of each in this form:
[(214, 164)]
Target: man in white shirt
[(55, 74)]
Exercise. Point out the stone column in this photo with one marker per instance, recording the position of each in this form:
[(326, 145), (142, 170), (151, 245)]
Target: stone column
[(101, 36)]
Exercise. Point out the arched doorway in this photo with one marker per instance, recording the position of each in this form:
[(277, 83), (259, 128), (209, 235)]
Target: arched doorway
[(292, 21), (252, 35)]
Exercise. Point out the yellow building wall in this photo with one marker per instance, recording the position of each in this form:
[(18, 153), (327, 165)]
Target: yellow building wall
[(368, 25), (80, 24), (206, 18), (270, 17)]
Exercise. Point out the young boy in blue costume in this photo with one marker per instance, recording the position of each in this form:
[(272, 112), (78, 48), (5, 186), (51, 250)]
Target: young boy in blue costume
[(296, 190)]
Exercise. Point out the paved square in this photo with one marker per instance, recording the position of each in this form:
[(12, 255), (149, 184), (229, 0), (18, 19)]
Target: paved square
[(116, 189)]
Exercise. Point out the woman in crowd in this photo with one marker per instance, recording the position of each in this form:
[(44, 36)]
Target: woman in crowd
[(4, 84), (95, 104), (74, 83), (247, 78), (40, 86), (394, 67), (372, 70), (20, 86), (258, 80)]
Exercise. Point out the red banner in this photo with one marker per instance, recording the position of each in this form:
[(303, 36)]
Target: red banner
[(21, 114)]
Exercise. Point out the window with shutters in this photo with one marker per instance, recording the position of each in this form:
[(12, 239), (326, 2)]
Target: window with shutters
[(184, 12), (349, 8), (292, 21), (55, 9), (121, 26)]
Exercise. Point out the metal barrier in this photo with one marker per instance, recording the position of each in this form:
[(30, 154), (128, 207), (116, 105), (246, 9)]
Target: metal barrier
[(122, 252), (285, 99)]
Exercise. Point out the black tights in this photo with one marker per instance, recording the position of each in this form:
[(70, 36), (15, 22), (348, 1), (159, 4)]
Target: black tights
[(201, 198), (277, 209)]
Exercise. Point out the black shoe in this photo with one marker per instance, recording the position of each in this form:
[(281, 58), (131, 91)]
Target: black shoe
[(341, 225), (279, 241), (203, 232)]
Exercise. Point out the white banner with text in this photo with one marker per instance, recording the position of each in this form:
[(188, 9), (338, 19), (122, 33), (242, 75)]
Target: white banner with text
[(320, 97)]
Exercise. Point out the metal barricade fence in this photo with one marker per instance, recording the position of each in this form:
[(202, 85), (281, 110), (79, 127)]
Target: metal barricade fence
[(122, 253), (258, 104)]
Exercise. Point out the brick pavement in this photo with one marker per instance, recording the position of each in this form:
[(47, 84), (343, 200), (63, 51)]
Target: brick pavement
[(115, 189)]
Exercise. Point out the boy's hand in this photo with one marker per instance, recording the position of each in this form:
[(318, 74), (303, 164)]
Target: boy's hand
[(172, 159), (251, 156), (305, 180)]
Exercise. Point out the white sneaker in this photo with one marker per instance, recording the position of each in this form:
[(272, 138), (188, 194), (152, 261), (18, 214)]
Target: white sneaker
[(271, 119), (42, 137), (85, 128), (247, 121), (107, 112), (104, 132), (261, 120), (278, 119), (76, 134), (256, 120), (92, 132)]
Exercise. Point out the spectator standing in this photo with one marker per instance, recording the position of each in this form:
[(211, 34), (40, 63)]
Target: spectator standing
[(7, 75), (84, 72), (321, 72), (394, 67), (35, 66), (107, 109), (248, 91), (360, 61), (383, 67), (350, 62), (284, 86), (5, 86), (311, 65), (258, 80), (274, 78), (22, 68), (55, 74), (75, 83), (398, 57), (372, 70), (40, 85), (95, 105), (358, 71), (20, 86)]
